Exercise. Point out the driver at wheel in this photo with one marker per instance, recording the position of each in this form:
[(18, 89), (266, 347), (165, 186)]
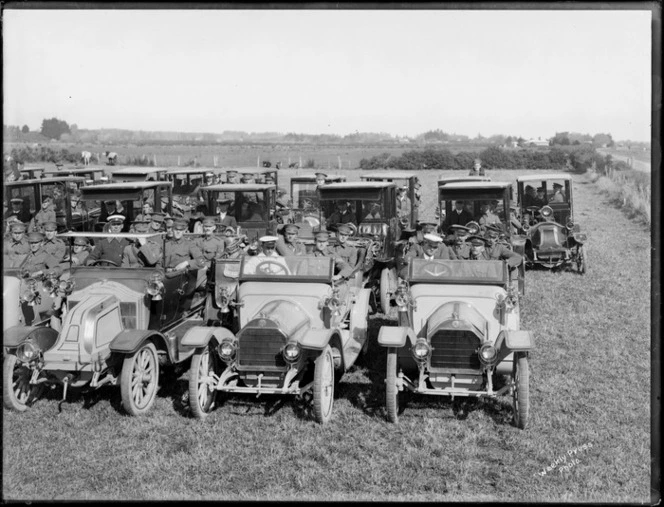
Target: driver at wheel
[(110, 249), (343, 215), (432, 248), (347, 252), (290, 245), (480, 249)]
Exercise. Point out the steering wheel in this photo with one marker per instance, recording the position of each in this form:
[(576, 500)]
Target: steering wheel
[(272, 268), (104, 261), (533, 209), (434, 269), (308, 203)]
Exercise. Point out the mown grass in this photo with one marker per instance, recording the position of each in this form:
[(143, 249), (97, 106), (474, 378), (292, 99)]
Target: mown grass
[(590, 384)]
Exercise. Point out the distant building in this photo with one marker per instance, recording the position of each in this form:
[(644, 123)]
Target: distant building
[(537, 142)]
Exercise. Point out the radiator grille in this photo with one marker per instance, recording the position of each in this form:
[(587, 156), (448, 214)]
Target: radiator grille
[(261, 348), (455, 349)]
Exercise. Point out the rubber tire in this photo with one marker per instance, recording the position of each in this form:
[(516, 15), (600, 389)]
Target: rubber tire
[(582, 264), (129, 403), (324, 386), (521, 391), (384, 286), (9, 397), (203, 360), (391, 390)]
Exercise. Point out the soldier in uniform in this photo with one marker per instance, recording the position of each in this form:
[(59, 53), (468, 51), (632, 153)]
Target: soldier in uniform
[(141, 252), (480, 250), (52, 244), (558, 194), (231, 177), (45, 214), (168, 226), (529, 196), (146, 213), (38, 262), (225, 218), (212, 246), (110, 249), (320, 179), (540, 199), (182, 254), (456, 240), (321, 249), (347, 252), (16, 248), (289, 245)]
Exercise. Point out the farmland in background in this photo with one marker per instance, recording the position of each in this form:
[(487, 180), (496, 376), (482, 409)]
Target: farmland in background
[(590, 402)]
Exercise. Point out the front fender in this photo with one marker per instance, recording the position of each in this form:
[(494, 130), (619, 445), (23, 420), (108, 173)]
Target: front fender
[(200, 336), (580, 237), (390, 336), (43, 336), (317, 339), (130, 340), (514, 341)]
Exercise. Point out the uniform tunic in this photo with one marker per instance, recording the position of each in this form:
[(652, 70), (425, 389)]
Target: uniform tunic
[(212, 247), (147, 255), (55, 247), (180, 250), (41, 217), (499, 252), (343, 268), (347, 252), (14, 250), (42, 261)]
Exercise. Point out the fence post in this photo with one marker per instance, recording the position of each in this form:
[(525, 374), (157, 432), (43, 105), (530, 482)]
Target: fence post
[(178, 160), (154, 159)]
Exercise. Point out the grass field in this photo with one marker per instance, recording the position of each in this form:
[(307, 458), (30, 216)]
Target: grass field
[(590, 402)]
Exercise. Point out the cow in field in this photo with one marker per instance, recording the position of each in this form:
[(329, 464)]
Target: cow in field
[(111, 157), (85, 157), (278, 165), (267, 163), (293, 165)]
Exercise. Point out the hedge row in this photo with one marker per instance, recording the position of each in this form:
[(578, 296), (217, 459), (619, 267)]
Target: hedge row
[(492, 158)]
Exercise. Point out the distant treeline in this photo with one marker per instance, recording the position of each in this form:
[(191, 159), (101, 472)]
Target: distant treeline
[(580, 158)]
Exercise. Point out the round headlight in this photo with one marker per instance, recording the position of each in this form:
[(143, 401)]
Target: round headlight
[(570, 223), (226, 350), (27, 351), (291, 352), (487, 353), (546, 211), (421, 350)]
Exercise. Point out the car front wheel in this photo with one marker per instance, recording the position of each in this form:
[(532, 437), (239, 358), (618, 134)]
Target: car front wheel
[(391, 389), (202, 391), (324, 386), (139, 380), (520, 390), (17, 392)]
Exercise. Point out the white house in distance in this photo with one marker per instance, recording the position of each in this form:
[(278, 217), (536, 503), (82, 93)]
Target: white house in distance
[(537, 142)]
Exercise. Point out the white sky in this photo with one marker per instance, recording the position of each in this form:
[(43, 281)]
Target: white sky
[(528, 73)]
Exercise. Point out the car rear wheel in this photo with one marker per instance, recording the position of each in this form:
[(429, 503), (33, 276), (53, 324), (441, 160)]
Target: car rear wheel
[(391, 389), (582, 260), (139, 380), (324, 386), (17, 392), (520, 390), (202, 392)]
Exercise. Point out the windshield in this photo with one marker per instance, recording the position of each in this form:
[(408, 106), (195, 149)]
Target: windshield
[(446, 271), (483, 209), (314, 269)]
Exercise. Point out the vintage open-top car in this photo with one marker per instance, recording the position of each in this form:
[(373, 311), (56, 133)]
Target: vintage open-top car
[(119, 326), (458, 330), (139, 173), (298, 332), (552, 237)]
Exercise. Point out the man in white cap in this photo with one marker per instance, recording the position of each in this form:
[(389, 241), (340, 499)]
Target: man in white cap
[(432, 248), (268, 247), (110, 249)]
